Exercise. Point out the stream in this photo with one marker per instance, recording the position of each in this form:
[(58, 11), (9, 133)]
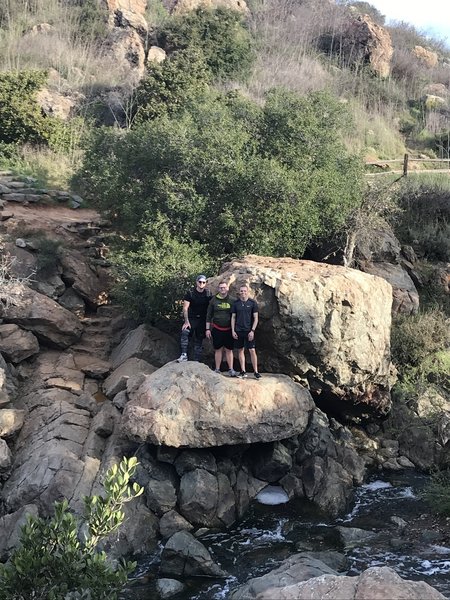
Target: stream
[(267, 535)]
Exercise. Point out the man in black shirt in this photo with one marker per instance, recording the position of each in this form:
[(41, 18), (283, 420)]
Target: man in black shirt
[(195, 305), (244, 320)]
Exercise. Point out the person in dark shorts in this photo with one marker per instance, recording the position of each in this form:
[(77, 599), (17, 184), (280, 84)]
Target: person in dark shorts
[(195, 306), (218, 326), (244, 320)]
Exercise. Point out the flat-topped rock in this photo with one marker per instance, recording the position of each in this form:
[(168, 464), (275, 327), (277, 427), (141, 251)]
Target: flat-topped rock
[(188, 405)]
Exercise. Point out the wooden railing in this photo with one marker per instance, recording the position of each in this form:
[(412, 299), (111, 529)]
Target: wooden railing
[(406, 161)]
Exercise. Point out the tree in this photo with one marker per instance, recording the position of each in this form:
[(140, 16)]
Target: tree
[(55, 561)]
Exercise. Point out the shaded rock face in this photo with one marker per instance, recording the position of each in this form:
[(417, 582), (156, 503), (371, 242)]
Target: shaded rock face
[(329, 326), (147, 343), (376, 582), (188, 405), (16, 344), (370, 43), (405, 297), (44, 317)]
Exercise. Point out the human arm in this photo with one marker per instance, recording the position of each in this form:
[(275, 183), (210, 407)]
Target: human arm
[(209, 316), (233, 325), (251, 334)]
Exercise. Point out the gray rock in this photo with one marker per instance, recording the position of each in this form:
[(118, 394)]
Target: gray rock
[(171, 522), (16, 344), (105, 420), (10, 528), (199, 495), (11, 421), (189, 460), (120, 400), (299, 567), (161, 496), (73, 302), (185, 556), (167, 588), (272, 462), (148, 343), (352, 537), (117, 381)]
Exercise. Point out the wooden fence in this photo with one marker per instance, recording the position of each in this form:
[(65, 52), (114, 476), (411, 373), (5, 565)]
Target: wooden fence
[(406, 161)]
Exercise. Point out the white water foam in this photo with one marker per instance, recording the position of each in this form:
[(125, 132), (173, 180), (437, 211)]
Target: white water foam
[(376, 485), (272, 495)]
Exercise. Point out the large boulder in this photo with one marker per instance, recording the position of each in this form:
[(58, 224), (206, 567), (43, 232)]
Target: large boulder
[(324, 324), (375, 583), (84, 279), (44, 317), (184, 556), (188, 405), (365, 41), (404, 293)]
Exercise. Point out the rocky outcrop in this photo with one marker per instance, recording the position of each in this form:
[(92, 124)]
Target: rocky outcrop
[(365, 41), (376, 582), (189, 405), (54, 104), (16, 344), (126, 47), (326, 325), (427, 57), (50, 322)]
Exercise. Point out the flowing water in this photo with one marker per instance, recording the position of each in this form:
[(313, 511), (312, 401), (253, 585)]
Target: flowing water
[(270, 534)]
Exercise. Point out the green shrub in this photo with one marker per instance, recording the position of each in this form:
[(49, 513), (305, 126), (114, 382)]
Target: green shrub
[(20, 116), (170, 85), (416, 337), (220, 35), (437, 492), (55, 561)]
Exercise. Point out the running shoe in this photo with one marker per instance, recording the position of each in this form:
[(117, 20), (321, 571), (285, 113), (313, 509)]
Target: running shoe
[(242, 374), (216, 370), (183, 358), (232, 373), (257, 375)]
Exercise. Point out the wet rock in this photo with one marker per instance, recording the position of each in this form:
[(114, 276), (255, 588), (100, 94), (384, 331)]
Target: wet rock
[(185, 556), (167, 588), (272, 462), (299, 567), (171, 522), (246, 488), (352, 537)]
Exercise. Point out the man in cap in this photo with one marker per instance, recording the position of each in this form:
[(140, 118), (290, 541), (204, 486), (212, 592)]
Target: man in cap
[(195, 305)]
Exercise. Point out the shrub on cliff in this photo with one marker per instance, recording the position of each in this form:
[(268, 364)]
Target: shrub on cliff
[(55, 561), (227, 176), (220, 35)]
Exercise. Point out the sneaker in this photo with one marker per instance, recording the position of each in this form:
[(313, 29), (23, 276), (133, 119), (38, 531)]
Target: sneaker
[(257, 375), (216, 370), (183, 358), (242, 374), (232, 373)]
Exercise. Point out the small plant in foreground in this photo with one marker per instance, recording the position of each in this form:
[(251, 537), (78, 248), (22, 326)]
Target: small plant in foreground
[(54, 561), (437, 492)]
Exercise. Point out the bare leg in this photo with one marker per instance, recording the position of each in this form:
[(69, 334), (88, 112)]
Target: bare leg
[(242, 358), (229, 355), (254, 359), (218, 357)]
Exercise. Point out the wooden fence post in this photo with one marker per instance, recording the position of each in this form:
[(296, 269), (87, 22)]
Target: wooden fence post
[(405, 165)]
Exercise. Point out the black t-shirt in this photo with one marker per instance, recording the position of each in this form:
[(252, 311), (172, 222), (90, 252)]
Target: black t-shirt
[(198, 303), (244, 312)]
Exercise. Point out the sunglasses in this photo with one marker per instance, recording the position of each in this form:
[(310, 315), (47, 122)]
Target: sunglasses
[(201, 281)]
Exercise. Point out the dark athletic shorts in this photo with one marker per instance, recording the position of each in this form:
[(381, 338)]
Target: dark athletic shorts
[(243, 341), (221, 339)]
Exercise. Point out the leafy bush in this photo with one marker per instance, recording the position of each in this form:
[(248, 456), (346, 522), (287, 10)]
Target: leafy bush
[(170, 85), (220, 35), (227, 176), (414, 338), (20, 115), (52, 561)]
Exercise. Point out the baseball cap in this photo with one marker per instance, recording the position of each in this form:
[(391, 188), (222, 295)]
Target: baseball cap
[(201, 278)]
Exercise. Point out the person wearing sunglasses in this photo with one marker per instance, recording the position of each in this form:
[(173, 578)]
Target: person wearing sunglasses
[(195, 306)]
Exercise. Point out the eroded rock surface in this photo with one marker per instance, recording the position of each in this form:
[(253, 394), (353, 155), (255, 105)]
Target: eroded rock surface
[(188, 405), (328, 325)]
